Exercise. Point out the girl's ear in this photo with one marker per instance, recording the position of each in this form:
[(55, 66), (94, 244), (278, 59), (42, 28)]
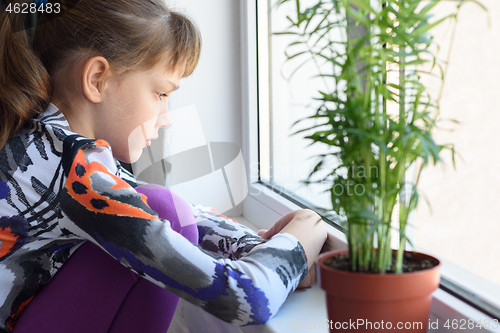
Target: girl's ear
[(95, 73)]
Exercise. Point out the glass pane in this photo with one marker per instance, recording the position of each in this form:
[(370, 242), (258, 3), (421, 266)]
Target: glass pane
[(461, 223), (462, 227), (289, 156)]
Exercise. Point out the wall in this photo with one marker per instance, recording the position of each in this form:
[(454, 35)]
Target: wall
[(213, 92), (214, 88)]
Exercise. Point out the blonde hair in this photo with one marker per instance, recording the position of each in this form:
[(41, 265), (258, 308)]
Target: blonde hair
[(131, 34)]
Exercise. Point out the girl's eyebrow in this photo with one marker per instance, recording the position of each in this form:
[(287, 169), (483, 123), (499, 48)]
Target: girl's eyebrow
[(166, 81), (174, 85)]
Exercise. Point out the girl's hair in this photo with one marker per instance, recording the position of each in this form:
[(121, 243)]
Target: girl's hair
[(131, 34)]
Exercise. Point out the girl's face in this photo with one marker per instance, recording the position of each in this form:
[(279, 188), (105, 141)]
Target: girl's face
[(133, 109)]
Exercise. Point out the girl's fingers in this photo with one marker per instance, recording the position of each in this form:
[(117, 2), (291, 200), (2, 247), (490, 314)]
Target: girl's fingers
[(279, 225)]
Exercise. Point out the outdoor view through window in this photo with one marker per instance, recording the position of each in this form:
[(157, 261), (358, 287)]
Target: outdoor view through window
[(461, 224)]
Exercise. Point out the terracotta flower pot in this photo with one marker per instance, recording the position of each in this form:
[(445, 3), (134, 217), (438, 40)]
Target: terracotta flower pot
[(368, 302)]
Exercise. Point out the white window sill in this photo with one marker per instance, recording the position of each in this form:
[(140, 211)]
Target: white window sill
[(305, 310), (303, 307), (293, 314)]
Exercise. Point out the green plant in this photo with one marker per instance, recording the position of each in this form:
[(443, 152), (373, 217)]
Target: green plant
[(375, 144)]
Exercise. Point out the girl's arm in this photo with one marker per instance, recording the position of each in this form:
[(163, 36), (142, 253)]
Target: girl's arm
[(223, 236), (99, 206)]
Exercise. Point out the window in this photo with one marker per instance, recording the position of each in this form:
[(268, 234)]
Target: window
[(285, 159), (461, 229)]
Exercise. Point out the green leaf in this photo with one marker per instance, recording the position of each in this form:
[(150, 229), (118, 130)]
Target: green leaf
[(421, 29), (362, 4)]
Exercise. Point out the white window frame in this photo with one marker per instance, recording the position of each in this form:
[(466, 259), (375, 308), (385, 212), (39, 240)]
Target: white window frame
[(263, 206)]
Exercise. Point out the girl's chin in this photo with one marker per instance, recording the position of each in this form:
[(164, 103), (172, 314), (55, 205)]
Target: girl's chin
[(132, 157)]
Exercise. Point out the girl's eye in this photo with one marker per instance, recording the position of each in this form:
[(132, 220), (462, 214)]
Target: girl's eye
[(160, 95)]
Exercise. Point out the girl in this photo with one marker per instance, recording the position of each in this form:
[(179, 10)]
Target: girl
[(89, 88)]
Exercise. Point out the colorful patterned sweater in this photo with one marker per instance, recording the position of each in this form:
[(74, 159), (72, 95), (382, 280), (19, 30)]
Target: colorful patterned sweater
[(59, 189)]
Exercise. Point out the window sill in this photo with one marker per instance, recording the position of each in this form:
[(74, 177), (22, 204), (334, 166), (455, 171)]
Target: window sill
[(302, 308), (293, 314), (263, 207), (306, 309)]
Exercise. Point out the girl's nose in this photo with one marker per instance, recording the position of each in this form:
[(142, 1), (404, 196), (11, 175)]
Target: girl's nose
[(164, 120)]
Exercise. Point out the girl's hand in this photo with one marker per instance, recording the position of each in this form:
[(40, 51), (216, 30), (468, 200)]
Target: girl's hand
[(283, 222)]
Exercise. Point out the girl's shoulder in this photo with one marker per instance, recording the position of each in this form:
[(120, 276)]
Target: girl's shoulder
[(39, 158), (35, 148), (52, 117), (45, 141), (53, 126), (46, 148)]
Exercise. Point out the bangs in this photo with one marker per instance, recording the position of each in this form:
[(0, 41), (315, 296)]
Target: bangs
[(176, 42), (186, 44)]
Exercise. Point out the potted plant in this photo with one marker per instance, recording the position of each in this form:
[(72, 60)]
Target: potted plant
[(379, 118)]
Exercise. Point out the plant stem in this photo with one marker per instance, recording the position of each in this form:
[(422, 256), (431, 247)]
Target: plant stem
[(399, 255)]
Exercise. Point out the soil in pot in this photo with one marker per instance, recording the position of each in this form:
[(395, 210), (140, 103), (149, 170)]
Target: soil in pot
[(410, 264)]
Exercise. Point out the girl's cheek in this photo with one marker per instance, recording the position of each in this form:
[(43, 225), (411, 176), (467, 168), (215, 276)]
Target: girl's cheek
[(142, 132), (149, 126), (135, 136)]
